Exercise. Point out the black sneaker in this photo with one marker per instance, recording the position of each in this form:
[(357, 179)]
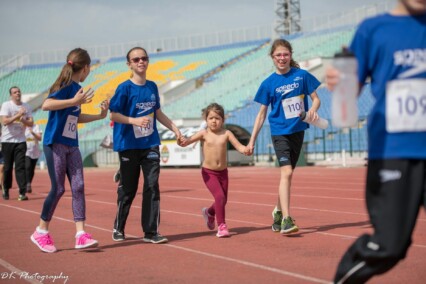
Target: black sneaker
[(5, 194), (277, 216), (118, 236), (155, 238), (22, 197)]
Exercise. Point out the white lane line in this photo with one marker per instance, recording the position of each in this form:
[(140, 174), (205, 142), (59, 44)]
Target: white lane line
[(254, 265), (246, 203), (233, 220), (229, 259), (293, 195)]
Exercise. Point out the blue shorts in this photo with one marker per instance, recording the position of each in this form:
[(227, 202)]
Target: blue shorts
[(1, 158)]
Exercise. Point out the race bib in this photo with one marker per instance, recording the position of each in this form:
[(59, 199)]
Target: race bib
[(406, 105), (293, 106), (70, 129), (144, 131)]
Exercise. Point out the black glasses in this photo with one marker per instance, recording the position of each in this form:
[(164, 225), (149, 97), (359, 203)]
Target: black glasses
[(137, 59)]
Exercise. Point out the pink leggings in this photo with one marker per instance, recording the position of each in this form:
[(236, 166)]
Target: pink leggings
[(217, 184)]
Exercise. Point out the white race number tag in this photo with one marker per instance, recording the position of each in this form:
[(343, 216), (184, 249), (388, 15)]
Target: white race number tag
[(70, 129), (144, 131), (293, 106), (406, 105)]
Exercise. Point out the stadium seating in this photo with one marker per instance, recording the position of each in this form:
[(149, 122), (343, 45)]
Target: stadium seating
[(34, 79), (228, 74)]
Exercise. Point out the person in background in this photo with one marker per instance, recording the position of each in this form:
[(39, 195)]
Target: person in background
[(33, 137), (286, 91), (108, 143), (15, 116), (396, 183)]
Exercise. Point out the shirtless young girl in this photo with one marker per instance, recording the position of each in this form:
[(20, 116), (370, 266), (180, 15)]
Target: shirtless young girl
[(214, 168)]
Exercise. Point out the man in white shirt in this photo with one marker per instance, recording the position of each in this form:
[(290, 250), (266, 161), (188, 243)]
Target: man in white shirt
[(15, 116)]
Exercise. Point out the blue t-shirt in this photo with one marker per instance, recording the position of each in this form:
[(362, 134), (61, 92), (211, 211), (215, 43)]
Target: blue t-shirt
[(288, 96), (135, 101), (392, 51), (61, 126)]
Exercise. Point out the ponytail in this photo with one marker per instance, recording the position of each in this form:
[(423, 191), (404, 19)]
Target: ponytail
[(77, 59)]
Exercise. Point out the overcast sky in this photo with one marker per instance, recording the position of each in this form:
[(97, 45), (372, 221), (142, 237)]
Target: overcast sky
[(37, 25)]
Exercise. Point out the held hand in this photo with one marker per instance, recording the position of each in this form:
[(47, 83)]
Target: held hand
[(179, 141), (249, 150), (178, 136), (183, 142)]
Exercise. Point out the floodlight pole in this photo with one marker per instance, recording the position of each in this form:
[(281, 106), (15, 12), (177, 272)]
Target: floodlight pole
[(288, 13)]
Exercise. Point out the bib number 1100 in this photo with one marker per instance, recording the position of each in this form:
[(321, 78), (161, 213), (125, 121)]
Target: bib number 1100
[(293, 106)]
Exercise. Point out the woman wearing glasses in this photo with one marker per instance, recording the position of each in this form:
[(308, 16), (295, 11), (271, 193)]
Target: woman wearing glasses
[(286, 91), (135, 108)]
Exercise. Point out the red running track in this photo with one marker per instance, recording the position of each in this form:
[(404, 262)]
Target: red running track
[(327, 203)]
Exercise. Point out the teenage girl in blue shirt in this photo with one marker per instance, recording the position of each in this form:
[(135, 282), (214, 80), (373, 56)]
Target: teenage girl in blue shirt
[(135, 109), (286, 91), (60, 146)]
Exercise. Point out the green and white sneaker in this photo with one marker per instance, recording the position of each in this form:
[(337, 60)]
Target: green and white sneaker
[(288, 226), (277, 216)]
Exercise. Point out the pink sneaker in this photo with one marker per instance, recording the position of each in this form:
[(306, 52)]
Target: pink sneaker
[(85, 241), (222, 231), (208, 218), (43, 241)]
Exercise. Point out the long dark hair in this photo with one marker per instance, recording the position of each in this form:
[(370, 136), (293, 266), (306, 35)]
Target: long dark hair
[(286, 44), (76, 60)]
